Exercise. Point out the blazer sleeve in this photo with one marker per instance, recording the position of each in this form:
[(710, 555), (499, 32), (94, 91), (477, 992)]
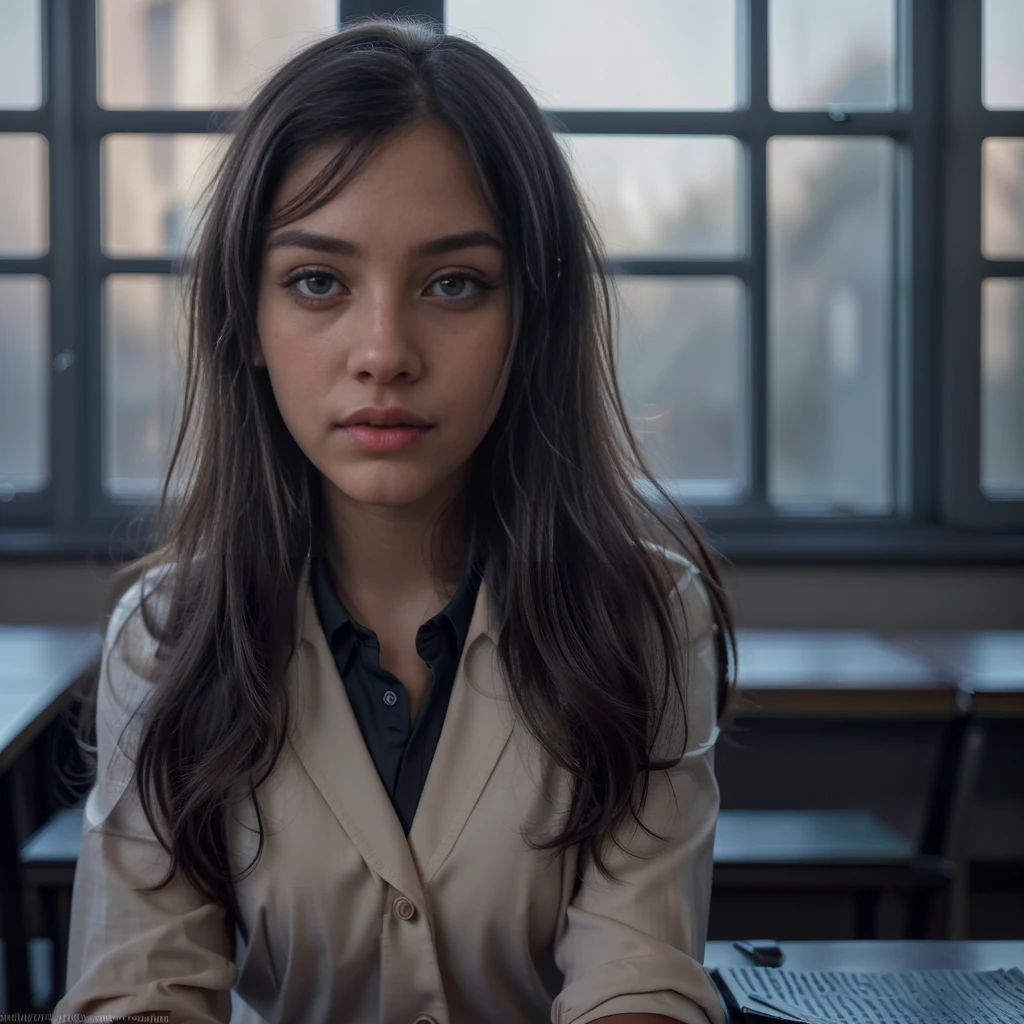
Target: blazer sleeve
[(129, 951), (638, 946)]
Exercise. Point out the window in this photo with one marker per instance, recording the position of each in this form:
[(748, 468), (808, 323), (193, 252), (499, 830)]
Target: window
[(984, 263), (171, 64), (813, 211)]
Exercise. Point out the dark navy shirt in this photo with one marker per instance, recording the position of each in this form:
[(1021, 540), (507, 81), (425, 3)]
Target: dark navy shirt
[(379, 699)]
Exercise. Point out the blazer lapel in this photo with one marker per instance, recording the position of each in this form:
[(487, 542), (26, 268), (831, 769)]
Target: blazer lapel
[(476, 729), (329, 743), (327, 740)]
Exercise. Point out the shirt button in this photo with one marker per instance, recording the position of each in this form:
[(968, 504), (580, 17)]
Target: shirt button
[(390, 698), (403, 909)]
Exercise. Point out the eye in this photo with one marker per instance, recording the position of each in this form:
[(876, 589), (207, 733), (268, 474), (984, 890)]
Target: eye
[(313, 285), (481, 283)]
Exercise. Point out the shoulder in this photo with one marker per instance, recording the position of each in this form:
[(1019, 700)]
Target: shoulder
[(694, 721), (687, 592), (126, 683), (129, 639)]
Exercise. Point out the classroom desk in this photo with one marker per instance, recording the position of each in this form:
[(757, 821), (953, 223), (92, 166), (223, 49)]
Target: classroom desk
[(988, 664), (39, 666), (880, 956), (837, 673)]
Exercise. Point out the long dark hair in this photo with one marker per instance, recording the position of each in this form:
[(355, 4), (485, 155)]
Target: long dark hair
[(555, 509)]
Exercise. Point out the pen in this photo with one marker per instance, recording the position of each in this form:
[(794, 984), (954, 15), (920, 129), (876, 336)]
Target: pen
[(762, 952)]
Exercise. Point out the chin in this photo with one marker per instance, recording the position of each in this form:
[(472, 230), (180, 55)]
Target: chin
[(388, 488)]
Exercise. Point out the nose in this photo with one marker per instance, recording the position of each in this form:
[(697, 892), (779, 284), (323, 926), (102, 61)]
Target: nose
[(381, 335)]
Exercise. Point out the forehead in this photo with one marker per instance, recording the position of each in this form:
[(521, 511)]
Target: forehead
[(422, 170)]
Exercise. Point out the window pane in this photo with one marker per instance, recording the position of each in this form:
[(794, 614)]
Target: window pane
[(830, 223), (141, 381), (199, 53), (21, 57), (681, 370), (24, 384), (1002, 388), (658, 195), (825, 52), (151, 185), (1002, 222), (1002, 81), (24, 195), (602, 54)]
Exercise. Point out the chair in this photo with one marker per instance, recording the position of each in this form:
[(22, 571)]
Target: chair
[(855, 851), (48, 860)]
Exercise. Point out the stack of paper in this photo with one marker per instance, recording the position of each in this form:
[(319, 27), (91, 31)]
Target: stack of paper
[(907, 997)]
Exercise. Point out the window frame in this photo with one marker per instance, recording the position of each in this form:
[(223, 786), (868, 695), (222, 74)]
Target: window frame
[(754, 124), (966, 268), (937, 518), (54, 503)]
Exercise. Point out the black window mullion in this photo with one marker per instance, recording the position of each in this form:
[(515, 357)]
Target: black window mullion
[(108, 265), (27, 264), (1003, 268), (911, 445), (68, 344), (917, 450), (757, 239), (155, 121), (28, 120), (743, 124), (1002, 122), (963, 271), (649, 122), (364, 8), (91, 270), (644, 266)]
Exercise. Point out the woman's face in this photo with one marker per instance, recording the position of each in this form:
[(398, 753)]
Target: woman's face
[(351, 314)]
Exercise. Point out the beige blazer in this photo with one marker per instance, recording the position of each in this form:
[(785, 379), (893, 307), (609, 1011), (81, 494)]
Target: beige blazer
[(345, 919)]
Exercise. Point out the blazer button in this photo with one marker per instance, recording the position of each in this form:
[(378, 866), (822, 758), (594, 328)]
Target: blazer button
[(404, 911)]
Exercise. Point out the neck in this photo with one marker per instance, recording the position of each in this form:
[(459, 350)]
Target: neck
[(381, 556)]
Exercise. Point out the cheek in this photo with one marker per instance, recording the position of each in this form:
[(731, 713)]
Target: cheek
[(493, 394), (478, 369), (475, 387), (295, 362)]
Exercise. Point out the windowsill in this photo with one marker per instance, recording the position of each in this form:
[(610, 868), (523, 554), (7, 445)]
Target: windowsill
[(790, 543), (883, 544)]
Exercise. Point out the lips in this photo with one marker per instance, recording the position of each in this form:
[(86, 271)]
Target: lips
[(384, 416), (382, 439)]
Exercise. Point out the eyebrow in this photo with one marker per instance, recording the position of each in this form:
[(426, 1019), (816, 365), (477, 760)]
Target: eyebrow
[(343, 247)]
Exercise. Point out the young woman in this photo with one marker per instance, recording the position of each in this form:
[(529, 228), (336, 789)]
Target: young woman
[(416, 700)]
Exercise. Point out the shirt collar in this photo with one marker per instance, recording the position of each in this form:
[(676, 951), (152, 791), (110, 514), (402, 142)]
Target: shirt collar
[(338, 624)]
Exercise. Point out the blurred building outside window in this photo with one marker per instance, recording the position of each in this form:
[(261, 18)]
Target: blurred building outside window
[(831, 208)]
